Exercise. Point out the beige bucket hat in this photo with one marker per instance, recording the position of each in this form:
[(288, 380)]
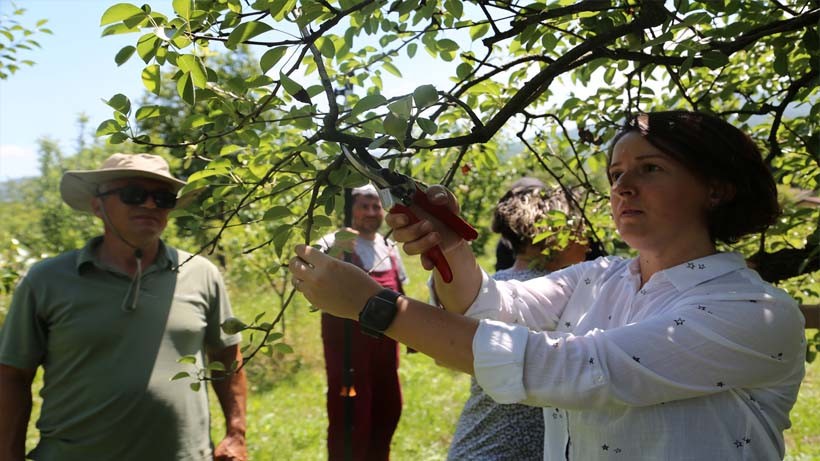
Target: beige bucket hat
[(78, 187)]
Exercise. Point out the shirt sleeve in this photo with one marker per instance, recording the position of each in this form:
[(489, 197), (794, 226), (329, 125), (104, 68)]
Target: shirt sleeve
[(703, 345), (219, 310), (536, 303), (23, 333)]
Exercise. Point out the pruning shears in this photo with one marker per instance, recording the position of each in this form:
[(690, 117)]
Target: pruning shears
[(398, 192)]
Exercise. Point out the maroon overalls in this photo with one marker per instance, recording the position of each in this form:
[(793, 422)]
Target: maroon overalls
[(376, 392)]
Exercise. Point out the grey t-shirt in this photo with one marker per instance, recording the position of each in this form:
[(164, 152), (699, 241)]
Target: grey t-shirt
[(107, 393)]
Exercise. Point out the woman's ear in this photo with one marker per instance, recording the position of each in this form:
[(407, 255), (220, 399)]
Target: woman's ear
[(720, 192)]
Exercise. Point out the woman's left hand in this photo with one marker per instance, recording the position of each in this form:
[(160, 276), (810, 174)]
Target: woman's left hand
[(334, 286)]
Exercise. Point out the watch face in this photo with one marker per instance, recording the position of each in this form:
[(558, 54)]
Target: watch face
[(379, 311)]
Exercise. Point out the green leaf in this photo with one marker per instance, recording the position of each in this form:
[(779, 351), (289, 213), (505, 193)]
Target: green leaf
[(446, 44), (185, 89), (276, 213), (283, 348), (196, 386), (378, 142), (120, 103), (119, 12), (117, 138), (216, 365), (182, 8), (402, 107), (281, 235), (411, 50), (189, 359), (294, 89), (687, 64), (427, 125), (479, 31), (108, 127), (180, 375), (244, 32), (392, 69), (368, 102), (463, 70), (454, 8), (151, 78), (714, 59), (124, 55), (271, 57), (191, 64), (395, 126), (425, 95), (147, 47), (327, 48), (423, 143), (146, 112)]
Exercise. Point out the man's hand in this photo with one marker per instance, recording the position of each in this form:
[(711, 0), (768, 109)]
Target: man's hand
[(231, 448)]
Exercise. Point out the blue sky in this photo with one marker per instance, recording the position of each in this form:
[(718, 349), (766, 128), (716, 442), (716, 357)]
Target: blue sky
[(75, 69)]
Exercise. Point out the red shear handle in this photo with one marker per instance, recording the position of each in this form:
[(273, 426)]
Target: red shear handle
[(435, 254), (443, 214)]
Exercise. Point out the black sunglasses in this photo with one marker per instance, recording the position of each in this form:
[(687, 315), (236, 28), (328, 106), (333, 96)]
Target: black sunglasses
[(133, 194)]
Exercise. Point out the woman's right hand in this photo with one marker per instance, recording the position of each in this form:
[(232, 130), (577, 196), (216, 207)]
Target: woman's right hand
[(428, 232)]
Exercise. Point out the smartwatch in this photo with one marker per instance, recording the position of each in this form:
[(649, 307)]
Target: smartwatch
[(378, 313)]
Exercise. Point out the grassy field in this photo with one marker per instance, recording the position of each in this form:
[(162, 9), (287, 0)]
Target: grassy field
[(286, 413)]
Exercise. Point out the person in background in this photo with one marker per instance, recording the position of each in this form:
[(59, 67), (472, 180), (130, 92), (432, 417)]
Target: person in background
[(681, 352), (375, 390), (108, 324), (487, 430)]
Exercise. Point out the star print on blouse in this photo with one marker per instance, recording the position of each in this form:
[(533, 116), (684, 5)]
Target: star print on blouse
[(690, 265), (618, 450), (778, 356), (587, 281), (591, 361), (605, 447), (637, 359), (701, 266), (567, 324), (738, 443), (719, 384), (643, 292), (679, 321)]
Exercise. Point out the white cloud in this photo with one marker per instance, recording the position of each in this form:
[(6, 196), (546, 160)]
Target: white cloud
[(18, 162)]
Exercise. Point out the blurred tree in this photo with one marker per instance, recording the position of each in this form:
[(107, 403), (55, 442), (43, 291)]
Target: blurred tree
[(15, 39)]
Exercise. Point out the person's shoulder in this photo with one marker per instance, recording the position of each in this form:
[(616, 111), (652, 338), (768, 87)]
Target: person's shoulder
[(187, 261), (49, 266), (606, 264)]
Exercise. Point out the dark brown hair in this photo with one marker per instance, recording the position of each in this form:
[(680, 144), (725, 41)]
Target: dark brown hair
[(518, 213), (716, 152)]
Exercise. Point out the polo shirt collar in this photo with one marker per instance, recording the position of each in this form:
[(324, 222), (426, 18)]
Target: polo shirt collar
[(166, 259)]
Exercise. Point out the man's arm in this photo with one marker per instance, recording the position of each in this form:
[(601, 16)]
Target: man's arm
[(15, 406), (231, 392)]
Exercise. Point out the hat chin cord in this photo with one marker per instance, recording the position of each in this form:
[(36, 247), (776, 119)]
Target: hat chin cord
[(136, 282)]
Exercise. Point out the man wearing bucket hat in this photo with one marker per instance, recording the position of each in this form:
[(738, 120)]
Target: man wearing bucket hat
[(363, 391), (109, 324)]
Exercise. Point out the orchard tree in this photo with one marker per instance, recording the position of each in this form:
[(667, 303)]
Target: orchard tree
[(550, 80)]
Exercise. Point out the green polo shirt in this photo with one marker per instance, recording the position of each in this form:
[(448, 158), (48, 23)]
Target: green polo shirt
[(107, 393)]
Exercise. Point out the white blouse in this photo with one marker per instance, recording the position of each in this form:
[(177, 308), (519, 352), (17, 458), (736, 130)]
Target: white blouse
[(701, 363)]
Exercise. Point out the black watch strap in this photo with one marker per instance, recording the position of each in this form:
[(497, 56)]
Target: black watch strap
[(378, 313)]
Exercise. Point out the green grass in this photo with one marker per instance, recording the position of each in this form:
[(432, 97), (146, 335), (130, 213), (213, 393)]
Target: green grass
[(286, 412)]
